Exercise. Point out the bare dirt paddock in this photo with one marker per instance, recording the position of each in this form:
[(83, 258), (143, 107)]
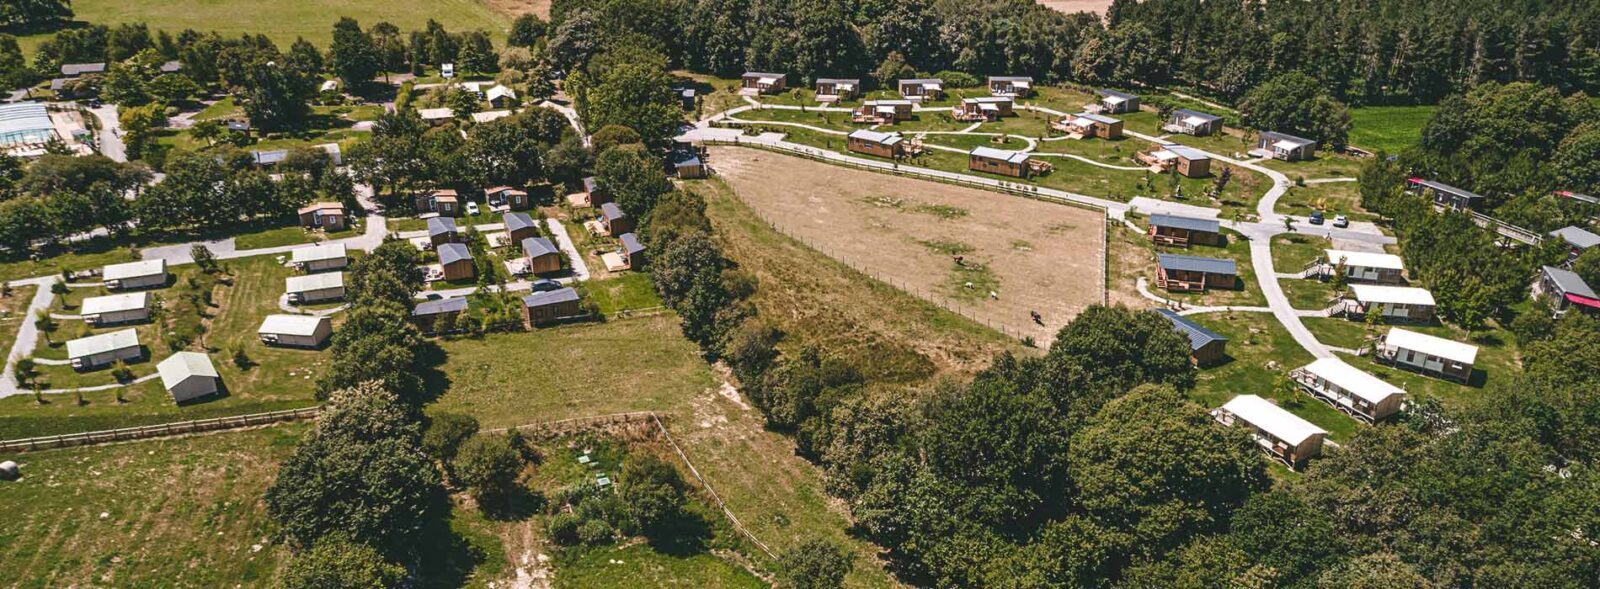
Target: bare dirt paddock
[(1033, 255)]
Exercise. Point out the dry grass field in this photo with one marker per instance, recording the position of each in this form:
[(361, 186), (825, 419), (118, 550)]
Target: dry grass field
[(1032, 255)]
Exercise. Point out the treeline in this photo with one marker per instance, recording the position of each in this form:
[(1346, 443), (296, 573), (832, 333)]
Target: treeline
[(406, 154)]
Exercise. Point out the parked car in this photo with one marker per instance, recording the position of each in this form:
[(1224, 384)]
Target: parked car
[(544, 285), (472, 208), (1341, 221), (1316, 218)]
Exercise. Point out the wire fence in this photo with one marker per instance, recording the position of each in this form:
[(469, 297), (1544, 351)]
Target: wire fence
[(157, 431)]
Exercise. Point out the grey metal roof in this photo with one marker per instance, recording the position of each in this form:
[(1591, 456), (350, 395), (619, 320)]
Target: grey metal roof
[(1275, 136), (1197, 264), (1186, 113), (590, 184), (611, 211), (1198, 335), (1189, 223), (515, 221), (683, 157), (850, 81), (919, 81), (1569, 282), (1010, 78), (630, 244), (1015, 157), (1109, 93), (1186, 152), (453, 252), (1446, 188), (763, 75), (551, 297), (269, 157), (1577, 237), (78, 69), (534, 247), (450, 305), (441, 225)]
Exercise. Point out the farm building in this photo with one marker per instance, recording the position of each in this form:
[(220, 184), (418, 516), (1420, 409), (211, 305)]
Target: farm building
[(320, 258), (1184, 231), (500, 96), (998, 161), (1349, 390), (73, 70), (1403, 303), (983, 108), (1206, 347), (1444, 195), (1281, 434), (443, 201), (615, 221), (1564, 288), (754, 83), (115, 309), (1188, 161), (882, 111), (520, 226), (1434, 356), (542, 308), (878, 143), (1192, 122), (25, 125), (315, 288), (1114, 102), (1011, 86), (132, 275), (685, 163), (1089, 125), (188, 375), (1578, 238), (296, 331), (1195, 273), (456, 260), (327, 216), (442, 230), (88, 353), (1367, 266), (632, 251), (1283, 146), (542, 255), (427, 314), (507, 197), (920, 89), (836, 89)]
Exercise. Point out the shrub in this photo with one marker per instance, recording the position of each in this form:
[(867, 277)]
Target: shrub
[(563, 528), (488, 466), (954, 79), (595, 532), (445, 434)]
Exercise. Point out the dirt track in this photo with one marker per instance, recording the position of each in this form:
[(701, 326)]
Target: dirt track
[(1034, 255)]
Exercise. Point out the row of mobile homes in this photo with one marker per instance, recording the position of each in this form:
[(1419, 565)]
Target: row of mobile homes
[(315, 288), (116, 309), (837, 89), (1114, 102), (1434, 356), (442, 230), (1206, 347), (1187, 161), (456, 260), (632, 251), (134, 275), (327, 216), (188, 375), (506, 198), (295, 331), (999, 161), (1184, 231), (1400, 303), (1089, 125), (1281, 434), (427, 314), (921, 89), (1564, 290), (1578, 239), (1367, 266), (1011, 86), (320, 258), (614, 220), (981, 109), (883, 112), (542, 255), (519, 226), (543, 308), (1283, 146), (1445, 195), (95, 351), (1193, 122), (889, 145), (1349, 390), (757, 83), (443, 201), (1194, 273)]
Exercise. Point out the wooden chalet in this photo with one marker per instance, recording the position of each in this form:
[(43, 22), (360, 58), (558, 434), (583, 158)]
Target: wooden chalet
[(1179, 273), (1114, 102), (1184, 231), (442, 230), (1433, 356), (1445, 195), (1192, 122), (327, 216), (837, 89), (506, 198), (444, 201), (542, 255), (981, 109), (427, 314), (614, 220), (1395, 303), (543, 308), (889, 145), (632, 251), (999, 161), (1206, 347), (685, 163), (1089, 125), (921, 89), (1283, 146), (1282, 435), (1011, 86), (1351, 391), (757, 83), (456, 260), (1187, 161), (882, 112), (519, 226)]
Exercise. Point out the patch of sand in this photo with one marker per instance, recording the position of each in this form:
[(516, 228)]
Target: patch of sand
[(1073, 6)]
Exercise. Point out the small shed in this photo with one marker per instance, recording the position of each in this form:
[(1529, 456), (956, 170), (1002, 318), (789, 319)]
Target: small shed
[(456, 260), (920, 89), (836, 89), (1281, 434), (753, 83), (878, 143), (597, 194), (616, 222), (520, 226), (1115, 102), (1348, 389), (1286, 147), (320, 258), (188, 376), (1401, 303), (427, 314), (1367, 266), (1011, 86), (95, 351), (131, 275), (1206, 347), (1184, 231), (632, 251), (1194, 273), (114, 309), (315, 288), (998, 161), (1434, 356), (1193, 122), (542, 308), (542, 254), (685, 163), (442, 230), (296, 331), (508, 197), (328, 216), (1445, 195), (1564, 290)]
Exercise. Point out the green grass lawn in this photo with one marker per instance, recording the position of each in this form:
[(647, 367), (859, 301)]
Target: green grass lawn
[(1325, 165), (82, 256), (13, 312), (1292, 252), (1336, 198), (219, 110), (1140, 260), (164, 513), (627, 292), (637, 565), (275, 237), (1260, 352), (1388, 128)]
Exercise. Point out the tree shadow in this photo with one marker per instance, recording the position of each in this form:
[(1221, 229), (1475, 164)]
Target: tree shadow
[(430, 359), (444, 557), (684, 534), (517, 505)]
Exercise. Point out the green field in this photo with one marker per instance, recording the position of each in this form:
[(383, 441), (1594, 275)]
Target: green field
[(1388, 128)]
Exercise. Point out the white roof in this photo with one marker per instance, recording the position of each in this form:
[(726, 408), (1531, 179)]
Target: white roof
[(429, 114), (1427, 344), (134, 269), (489, 115), (25, 122), (182, 365), (1186, 152), (1272, 419), (889, 102), (988, 106), (875, 136), (1405, 295), (1015, 157), (303, 325), (317, 253), (1347, 377), (1163, 155), (499, 91), (1365, 259), (1194, 120), (115, 303), (768, 79), (1113, 99), (312, 282), (1080, 121), (330, 85), (84, 347)]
